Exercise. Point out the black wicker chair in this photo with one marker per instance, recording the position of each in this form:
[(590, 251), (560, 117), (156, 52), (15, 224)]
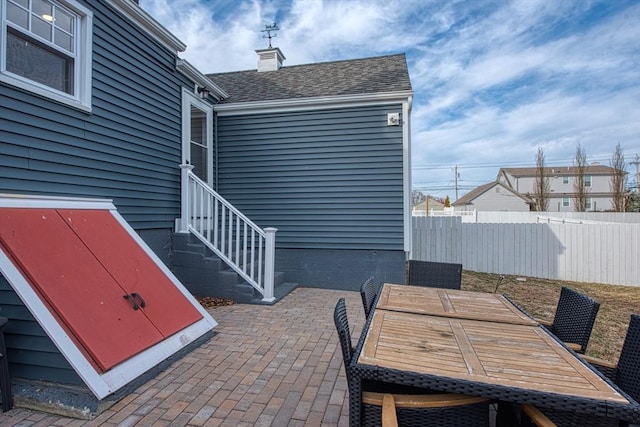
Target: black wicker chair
[(413, 406), (434, 274), (368, 292), (625, 374), (574, 318)]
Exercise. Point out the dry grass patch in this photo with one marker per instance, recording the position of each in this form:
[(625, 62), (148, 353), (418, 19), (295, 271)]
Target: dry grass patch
[(540, 296)]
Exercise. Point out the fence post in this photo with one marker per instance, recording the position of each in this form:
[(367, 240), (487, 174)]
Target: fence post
[(184, 197), (269, 263)]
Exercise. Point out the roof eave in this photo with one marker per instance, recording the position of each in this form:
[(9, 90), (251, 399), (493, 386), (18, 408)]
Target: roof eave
[(318, 102), (147, 23), (200, 79)]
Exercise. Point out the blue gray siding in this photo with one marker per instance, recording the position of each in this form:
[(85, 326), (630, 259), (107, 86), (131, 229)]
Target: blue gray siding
[(31, 353), (127, 148), (329, 179)]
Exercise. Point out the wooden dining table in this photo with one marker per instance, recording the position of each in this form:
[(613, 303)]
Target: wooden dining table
[(477, 344)]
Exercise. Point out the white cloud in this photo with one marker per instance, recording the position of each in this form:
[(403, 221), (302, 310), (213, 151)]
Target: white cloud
[(492, 80)]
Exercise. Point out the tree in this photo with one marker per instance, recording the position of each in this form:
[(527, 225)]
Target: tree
[(541, 185), (579, 187), (633, 202), (417, 197), (618, 180), (447, 202)]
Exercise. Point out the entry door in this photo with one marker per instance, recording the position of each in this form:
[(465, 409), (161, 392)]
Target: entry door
[(197, 136)]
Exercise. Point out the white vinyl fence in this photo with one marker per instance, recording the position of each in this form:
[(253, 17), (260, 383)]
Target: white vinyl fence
[(582, 252)]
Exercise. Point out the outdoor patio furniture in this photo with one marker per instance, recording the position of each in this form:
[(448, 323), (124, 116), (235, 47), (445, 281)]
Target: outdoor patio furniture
[(413, 406), (368, 292), (500, 358), (5, 381), (574, 318), (626, 374), (434, 274)]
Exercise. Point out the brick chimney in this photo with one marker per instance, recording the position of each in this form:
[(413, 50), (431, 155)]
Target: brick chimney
[(269, 59)]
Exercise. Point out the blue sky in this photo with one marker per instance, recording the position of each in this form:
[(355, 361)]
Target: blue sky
[(492, 80)]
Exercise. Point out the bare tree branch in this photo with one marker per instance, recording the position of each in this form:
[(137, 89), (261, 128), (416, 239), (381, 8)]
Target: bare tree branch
[(579, 187), (541, 185), (618, 180)]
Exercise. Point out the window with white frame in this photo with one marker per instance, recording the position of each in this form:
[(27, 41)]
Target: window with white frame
[(565, 202), (587, 180), (588, 203), (46, 49), (565, 179)]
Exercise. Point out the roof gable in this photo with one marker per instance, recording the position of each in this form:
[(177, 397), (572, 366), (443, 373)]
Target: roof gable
[(558, 170), (383, 74), (478, 191)]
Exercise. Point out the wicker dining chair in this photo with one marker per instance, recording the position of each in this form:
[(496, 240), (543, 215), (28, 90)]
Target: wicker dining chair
[(434, 274), (413, 406), (574, 319), (368, 292), (625, 374)]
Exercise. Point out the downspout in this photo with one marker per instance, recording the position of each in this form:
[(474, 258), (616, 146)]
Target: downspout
[(406, 142), (215, 147)]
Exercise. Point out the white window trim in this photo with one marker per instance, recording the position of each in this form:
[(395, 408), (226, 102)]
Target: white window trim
[(82, 63)]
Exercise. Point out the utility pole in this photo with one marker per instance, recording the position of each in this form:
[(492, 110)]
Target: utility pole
[(637, 163), (455, 171)]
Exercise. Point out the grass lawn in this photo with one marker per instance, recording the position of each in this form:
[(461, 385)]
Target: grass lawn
[(540, 296)]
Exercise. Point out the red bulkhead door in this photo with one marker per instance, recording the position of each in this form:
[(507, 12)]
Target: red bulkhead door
[(83, 264), (133, 269)]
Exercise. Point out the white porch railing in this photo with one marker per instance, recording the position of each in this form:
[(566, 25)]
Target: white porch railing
[(244, 246)]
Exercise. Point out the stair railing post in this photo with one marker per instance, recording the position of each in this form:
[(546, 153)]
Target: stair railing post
[(269, 263), (185, 214)]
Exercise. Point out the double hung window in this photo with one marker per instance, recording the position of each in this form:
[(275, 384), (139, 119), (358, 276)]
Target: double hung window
[(46, 49)]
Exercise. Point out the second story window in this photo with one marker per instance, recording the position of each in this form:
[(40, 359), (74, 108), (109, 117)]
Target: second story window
[(46, 49), (587, 180), (565, 179)]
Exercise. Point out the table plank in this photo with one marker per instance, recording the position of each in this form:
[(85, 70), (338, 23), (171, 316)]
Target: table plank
[(451, 303), (513, 355)]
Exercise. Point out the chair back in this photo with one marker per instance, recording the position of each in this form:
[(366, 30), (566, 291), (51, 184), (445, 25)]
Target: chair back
[(344, 334), (434, 274), (368, 292), (574, 318), (628, 372)]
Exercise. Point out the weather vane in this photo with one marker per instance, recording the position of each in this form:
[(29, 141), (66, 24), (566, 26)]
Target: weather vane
[(268, 29)]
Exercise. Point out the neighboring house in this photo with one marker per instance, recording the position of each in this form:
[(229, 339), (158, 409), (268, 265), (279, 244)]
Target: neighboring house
[(597, 181), (321, 152), (429, 204), (493, 196), (513, 190)]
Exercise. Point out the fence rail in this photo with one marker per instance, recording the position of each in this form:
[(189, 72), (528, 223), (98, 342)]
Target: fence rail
[(244, 246), (583, 252)]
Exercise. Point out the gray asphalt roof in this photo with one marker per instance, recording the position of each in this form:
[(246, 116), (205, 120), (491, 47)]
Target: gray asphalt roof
[(351, 77), (560, 170)]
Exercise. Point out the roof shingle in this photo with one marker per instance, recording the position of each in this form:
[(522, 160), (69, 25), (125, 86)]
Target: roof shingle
[(351, 77)]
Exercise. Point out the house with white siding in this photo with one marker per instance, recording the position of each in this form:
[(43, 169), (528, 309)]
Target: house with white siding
[(562, 180), (513, 190)]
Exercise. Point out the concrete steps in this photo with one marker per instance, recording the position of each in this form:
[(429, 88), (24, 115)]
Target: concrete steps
[(204, 274)]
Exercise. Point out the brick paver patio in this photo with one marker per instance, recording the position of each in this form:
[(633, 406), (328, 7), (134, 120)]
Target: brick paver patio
[(277, 365)]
